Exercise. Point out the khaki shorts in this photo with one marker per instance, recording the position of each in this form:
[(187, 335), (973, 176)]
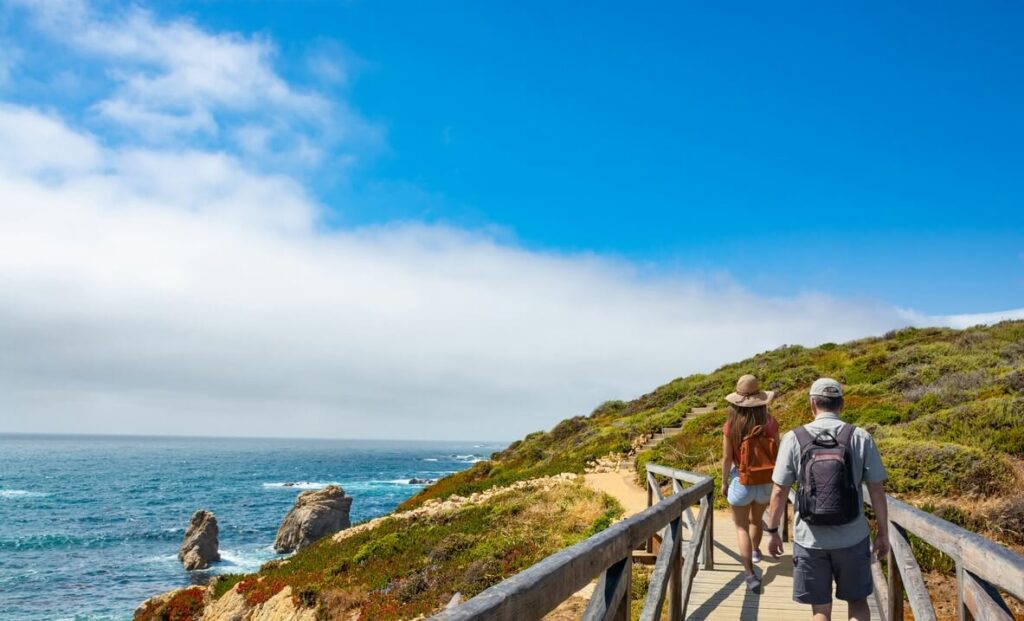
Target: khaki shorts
[(814, 571)]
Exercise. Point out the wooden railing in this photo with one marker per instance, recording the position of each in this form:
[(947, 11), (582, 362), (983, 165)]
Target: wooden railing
[(983, 568), (539, 589)]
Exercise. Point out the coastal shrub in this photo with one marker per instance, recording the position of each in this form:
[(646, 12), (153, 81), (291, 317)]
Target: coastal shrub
[(402, 568), (307, 596), (945, 469), (258, 590), (224, 583), (994, 424), (185, 605)]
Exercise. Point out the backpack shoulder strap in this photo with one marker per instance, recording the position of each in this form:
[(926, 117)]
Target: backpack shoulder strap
[(846, 434), (803, 437)]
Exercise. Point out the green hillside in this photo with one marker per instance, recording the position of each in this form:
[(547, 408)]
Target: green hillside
[(947, 408)]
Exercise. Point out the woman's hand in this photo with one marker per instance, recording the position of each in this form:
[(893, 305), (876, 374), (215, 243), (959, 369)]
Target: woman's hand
[(725, 489)]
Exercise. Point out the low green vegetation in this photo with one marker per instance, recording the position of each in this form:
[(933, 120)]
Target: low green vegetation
[(404, 567), (946, 406)]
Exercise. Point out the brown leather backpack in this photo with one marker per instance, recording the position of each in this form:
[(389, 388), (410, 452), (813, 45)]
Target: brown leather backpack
[(758, 451)]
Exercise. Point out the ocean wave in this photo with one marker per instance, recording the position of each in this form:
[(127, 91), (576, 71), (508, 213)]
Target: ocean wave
[(430, 459), (20, 493), (249, 560), (468, 459), (300, 485)]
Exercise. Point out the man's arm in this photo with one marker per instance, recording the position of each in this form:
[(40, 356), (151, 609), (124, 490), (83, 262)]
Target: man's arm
[(780, 496), (881, 508)]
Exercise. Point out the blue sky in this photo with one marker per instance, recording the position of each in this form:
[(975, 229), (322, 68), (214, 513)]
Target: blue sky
[(870, 150), (489, 216)]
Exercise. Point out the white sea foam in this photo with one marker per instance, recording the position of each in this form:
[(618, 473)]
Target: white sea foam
[(301, 484), (250, 560), (20, 493), (429, 459)]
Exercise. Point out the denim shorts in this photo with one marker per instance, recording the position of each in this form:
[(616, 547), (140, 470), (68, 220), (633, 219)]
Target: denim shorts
[(815, 570), (741, 495)]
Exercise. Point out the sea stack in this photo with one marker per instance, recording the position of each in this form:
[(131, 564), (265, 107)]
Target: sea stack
[(200, 547), (316, 514)]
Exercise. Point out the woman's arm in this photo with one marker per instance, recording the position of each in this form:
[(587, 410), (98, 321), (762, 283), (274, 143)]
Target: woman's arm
[(726, 463)]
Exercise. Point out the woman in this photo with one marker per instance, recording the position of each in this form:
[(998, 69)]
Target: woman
[(750, 440)]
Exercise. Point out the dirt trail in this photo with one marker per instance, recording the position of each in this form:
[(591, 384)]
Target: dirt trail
[(623, 487)]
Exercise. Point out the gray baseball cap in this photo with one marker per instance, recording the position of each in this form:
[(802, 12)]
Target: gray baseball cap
[(826, 387)]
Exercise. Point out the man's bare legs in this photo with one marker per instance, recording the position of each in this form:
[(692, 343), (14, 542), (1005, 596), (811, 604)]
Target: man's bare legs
[(822, 612), (859, 610)]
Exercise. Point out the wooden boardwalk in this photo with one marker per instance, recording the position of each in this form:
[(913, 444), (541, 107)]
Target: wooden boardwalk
[(686, 583), (722, 594)]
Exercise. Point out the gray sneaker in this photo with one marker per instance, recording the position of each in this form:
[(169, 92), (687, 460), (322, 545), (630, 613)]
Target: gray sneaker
[(753, 583), (756, 556)]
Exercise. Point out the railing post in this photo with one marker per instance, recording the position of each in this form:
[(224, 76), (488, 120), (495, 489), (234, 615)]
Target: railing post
[(650, 501), (626, 603), (708, 548), (895, 612), (675, 593), (961, 608)]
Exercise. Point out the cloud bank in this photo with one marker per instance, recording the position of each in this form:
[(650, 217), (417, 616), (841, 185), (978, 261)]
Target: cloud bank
[(187, 287)]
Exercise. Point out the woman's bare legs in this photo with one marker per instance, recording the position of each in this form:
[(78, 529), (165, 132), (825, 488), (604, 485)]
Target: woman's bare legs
[(741, 518), (756, 522)]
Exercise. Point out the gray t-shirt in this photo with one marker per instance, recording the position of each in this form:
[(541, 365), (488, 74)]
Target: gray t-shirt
[(867, 468)]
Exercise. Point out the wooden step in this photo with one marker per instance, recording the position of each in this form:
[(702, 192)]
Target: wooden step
[(643, 557), (670, 431)]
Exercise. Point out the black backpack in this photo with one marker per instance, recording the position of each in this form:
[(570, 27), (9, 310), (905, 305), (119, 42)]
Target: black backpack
[(827, 493)]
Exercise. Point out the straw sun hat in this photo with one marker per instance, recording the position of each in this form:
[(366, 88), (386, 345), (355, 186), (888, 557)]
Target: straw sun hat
[(749, 394)]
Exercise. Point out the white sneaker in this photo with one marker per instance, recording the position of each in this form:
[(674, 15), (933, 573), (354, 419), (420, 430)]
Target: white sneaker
[(756, 556)]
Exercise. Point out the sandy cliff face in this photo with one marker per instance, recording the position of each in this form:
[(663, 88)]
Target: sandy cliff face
[(232, 606)]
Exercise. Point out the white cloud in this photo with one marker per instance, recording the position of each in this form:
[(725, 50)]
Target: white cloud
[(164, 285), (175, 81), (155, 292)]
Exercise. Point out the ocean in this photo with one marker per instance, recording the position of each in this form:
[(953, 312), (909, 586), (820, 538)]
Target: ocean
[(90, 525)]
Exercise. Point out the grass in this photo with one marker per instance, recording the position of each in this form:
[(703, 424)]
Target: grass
[(946, 407), (403, 568)]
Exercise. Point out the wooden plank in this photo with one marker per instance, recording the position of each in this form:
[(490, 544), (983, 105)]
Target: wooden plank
[(984, 602), (894, 611), (611, 594), (537, 590), (655, 598), (708, 551), (881, 589), (682, 475), (704, 520), (917, 592), (986, 559)]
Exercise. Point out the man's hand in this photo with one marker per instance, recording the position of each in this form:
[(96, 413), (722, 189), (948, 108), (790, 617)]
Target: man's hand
[(881, 546), (775, 545), (725, 490)]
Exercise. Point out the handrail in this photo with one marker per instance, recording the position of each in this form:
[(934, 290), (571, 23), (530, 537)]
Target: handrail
[(982, 566), (539, 589)]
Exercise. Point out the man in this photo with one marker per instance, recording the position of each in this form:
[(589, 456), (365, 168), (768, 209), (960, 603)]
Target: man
[(830, 542)]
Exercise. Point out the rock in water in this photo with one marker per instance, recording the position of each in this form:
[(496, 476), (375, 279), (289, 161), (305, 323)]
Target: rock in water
[(199, 548), (316, 514)]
